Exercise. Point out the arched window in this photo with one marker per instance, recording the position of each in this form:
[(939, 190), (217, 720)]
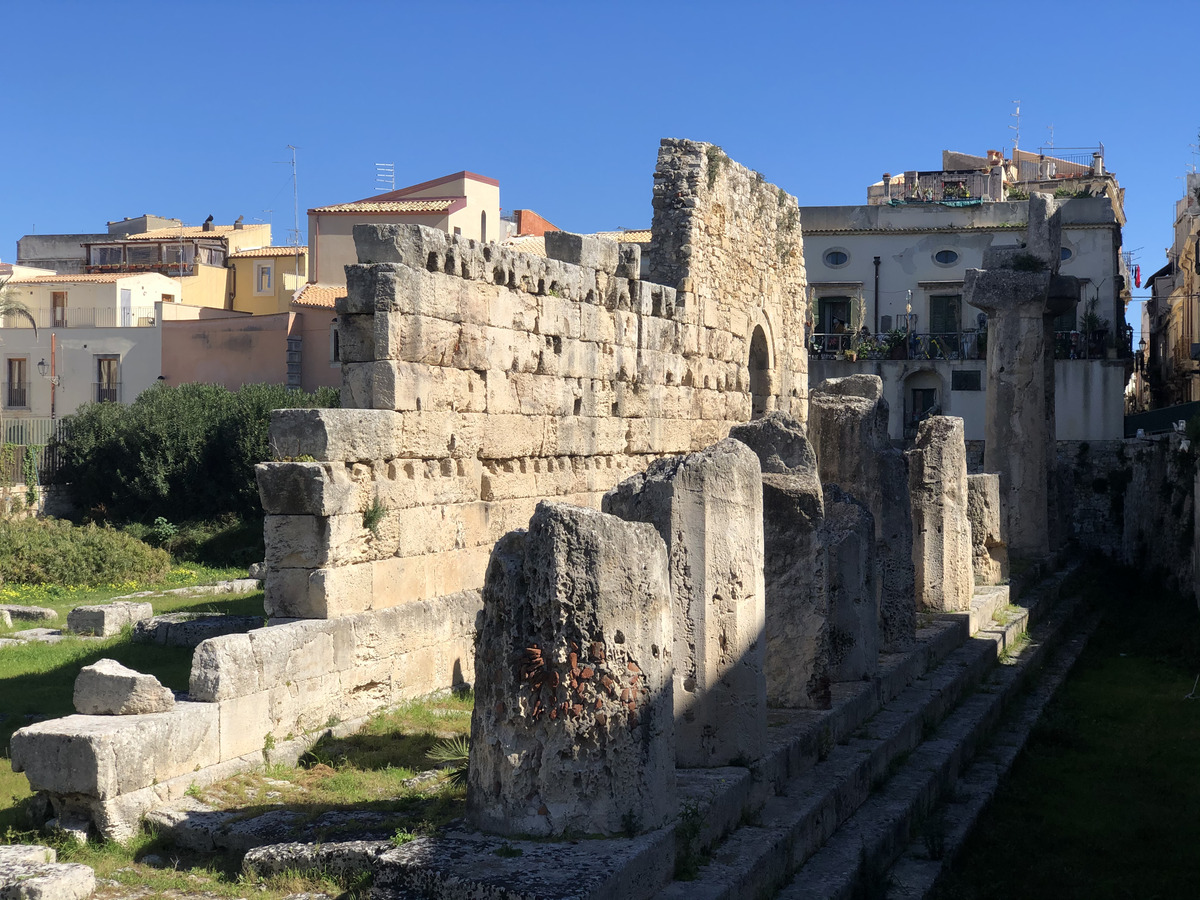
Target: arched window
[(760, 374)]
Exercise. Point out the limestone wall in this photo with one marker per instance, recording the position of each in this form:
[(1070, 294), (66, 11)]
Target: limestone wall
[(478, 381)]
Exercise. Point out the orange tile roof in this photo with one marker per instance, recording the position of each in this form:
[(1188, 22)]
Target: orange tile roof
[(389, 206), (268, 251), (319, 296), (187, 231), (98, 278), (640, 236)]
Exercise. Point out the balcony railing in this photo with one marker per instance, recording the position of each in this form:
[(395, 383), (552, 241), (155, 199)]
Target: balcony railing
[(900, 345), (171, 270), (107, 392), (1081, 344), (85, 317), (16, 394)]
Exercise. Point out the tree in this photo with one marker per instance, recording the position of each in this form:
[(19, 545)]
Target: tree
[(11, 306)]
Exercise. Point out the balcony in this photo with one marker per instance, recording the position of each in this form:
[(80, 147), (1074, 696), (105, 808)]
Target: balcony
[(85, 317), (171, 270), (106, 392), (899, 345), (16, 394)]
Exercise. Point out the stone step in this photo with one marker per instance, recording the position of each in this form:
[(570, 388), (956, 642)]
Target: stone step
[(793, 825), (31, 872), (855, 860), (917, 870)]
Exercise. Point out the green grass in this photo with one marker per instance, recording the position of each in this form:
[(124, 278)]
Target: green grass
[(1105, 800)]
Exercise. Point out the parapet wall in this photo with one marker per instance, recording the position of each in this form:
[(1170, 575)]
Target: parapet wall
[(478, 381)]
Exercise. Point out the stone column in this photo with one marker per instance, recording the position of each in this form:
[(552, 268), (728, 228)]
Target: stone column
[(573, 727), (937, 479), (708, 508), (797, 604), (1020, 290), (847, 423), (987, 539), (849, 538)]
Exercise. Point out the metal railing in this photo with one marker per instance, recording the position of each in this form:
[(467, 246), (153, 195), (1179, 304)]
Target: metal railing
[(1081, 344), (107, 392), (16, 394), (85, 317), (902, 345)]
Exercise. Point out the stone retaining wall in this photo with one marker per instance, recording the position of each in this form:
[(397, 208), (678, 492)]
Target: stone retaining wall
[(478, 381)]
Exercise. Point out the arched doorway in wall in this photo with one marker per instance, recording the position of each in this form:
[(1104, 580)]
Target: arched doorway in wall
[(760, 374)]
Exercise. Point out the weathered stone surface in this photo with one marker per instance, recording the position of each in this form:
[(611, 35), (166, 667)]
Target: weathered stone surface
[(937, 478), (46, 881), (189, 629), (106, 756), (302, 488), (708, 508), (108, 618), (572, 728), (107, 688), (26, 854), (849, 538), (848, 427), (989, 551), (583, 250), (335, 434), (1022, 293), (5, 619), (29, 613), (794, 570)]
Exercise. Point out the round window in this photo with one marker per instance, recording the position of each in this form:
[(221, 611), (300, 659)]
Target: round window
[(945, 257), (1065, 254), (836, 258)]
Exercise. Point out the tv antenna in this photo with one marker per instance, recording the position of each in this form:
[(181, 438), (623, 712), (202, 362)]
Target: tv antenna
[(1050, 142), (1016, 129), (385, 177)]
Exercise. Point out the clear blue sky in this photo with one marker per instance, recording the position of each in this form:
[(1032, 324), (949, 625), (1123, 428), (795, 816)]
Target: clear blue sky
[(185, 109)]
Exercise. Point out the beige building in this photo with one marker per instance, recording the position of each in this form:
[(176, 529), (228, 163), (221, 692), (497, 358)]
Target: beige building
[(265, 278), (464, 203)]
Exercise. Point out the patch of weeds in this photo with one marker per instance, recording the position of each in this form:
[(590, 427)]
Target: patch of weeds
[(1011, 651), (373, 515), (453, 754), (508, 851), (825, 745), (716, 160), (688, 858), (403, 836), (933, 836), (631, 824)]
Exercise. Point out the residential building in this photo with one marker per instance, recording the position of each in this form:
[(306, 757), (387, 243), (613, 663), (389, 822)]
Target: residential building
[(197, 255), (265, 278), (886, 289), (463, 203), (1172, 321), (65, 253)]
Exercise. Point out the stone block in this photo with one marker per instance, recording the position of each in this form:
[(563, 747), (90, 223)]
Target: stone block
[(937, 479), (314, 541), (46, 881), (343, 435), (629, 261), (989, 551), (583, 250), (107, 688), (189, 629), (107, 619), (302, 488), (853, 600), (707, 506), (245, 723), (5, 619), (106, 756), (572, 728), (29, 613)]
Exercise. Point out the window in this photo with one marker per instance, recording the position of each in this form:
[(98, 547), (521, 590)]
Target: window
[(108, 378), (924, 403), (168, 298), (106, 256), (263, 273), (945, 257), (212, 256), (16, 386), (966, 380), (58, 300), (944, 314), (1065, 254), (174, 254), (335, 344), (143, 254), (836, 258)]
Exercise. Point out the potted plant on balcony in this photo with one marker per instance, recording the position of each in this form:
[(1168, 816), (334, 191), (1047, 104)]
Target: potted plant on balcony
[(896, 342)]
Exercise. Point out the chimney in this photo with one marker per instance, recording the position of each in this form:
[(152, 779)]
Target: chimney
[(208, 224), (239, 223)]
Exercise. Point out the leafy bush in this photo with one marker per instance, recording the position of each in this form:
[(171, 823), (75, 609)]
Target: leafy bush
[(52, 551), (181, 452)]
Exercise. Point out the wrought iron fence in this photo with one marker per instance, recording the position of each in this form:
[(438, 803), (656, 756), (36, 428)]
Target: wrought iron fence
[(900, 345), (85, 317)]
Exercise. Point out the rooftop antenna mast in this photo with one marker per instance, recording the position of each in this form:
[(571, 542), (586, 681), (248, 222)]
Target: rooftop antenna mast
[(385, 177), (1016, 129), (295, 238), (1050, 143)]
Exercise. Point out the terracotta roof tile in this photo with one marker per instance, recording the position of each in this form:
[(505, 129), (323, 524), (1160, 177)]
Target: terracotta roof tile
[(640, 236), (319, 296), (98, 278), (398, 207), (268, 251), (187, 231)]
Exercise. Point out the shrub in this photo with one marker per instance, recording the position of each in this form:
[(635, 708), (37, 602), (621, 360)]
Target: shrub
[(52, 551), (181, 452)]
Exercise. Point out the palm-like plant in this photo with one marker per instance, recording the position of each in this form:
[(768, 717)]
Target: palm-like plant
[(11, 306)]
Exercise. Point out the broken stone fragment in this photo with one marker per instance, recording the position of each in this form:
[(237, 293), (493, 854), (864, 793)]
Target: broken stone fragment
[(107, 688), (107, 619)]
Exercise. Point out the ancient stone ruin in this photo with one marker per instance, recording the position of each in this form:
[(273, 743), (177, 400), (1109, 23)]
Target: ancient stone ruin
[(614, 507)]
